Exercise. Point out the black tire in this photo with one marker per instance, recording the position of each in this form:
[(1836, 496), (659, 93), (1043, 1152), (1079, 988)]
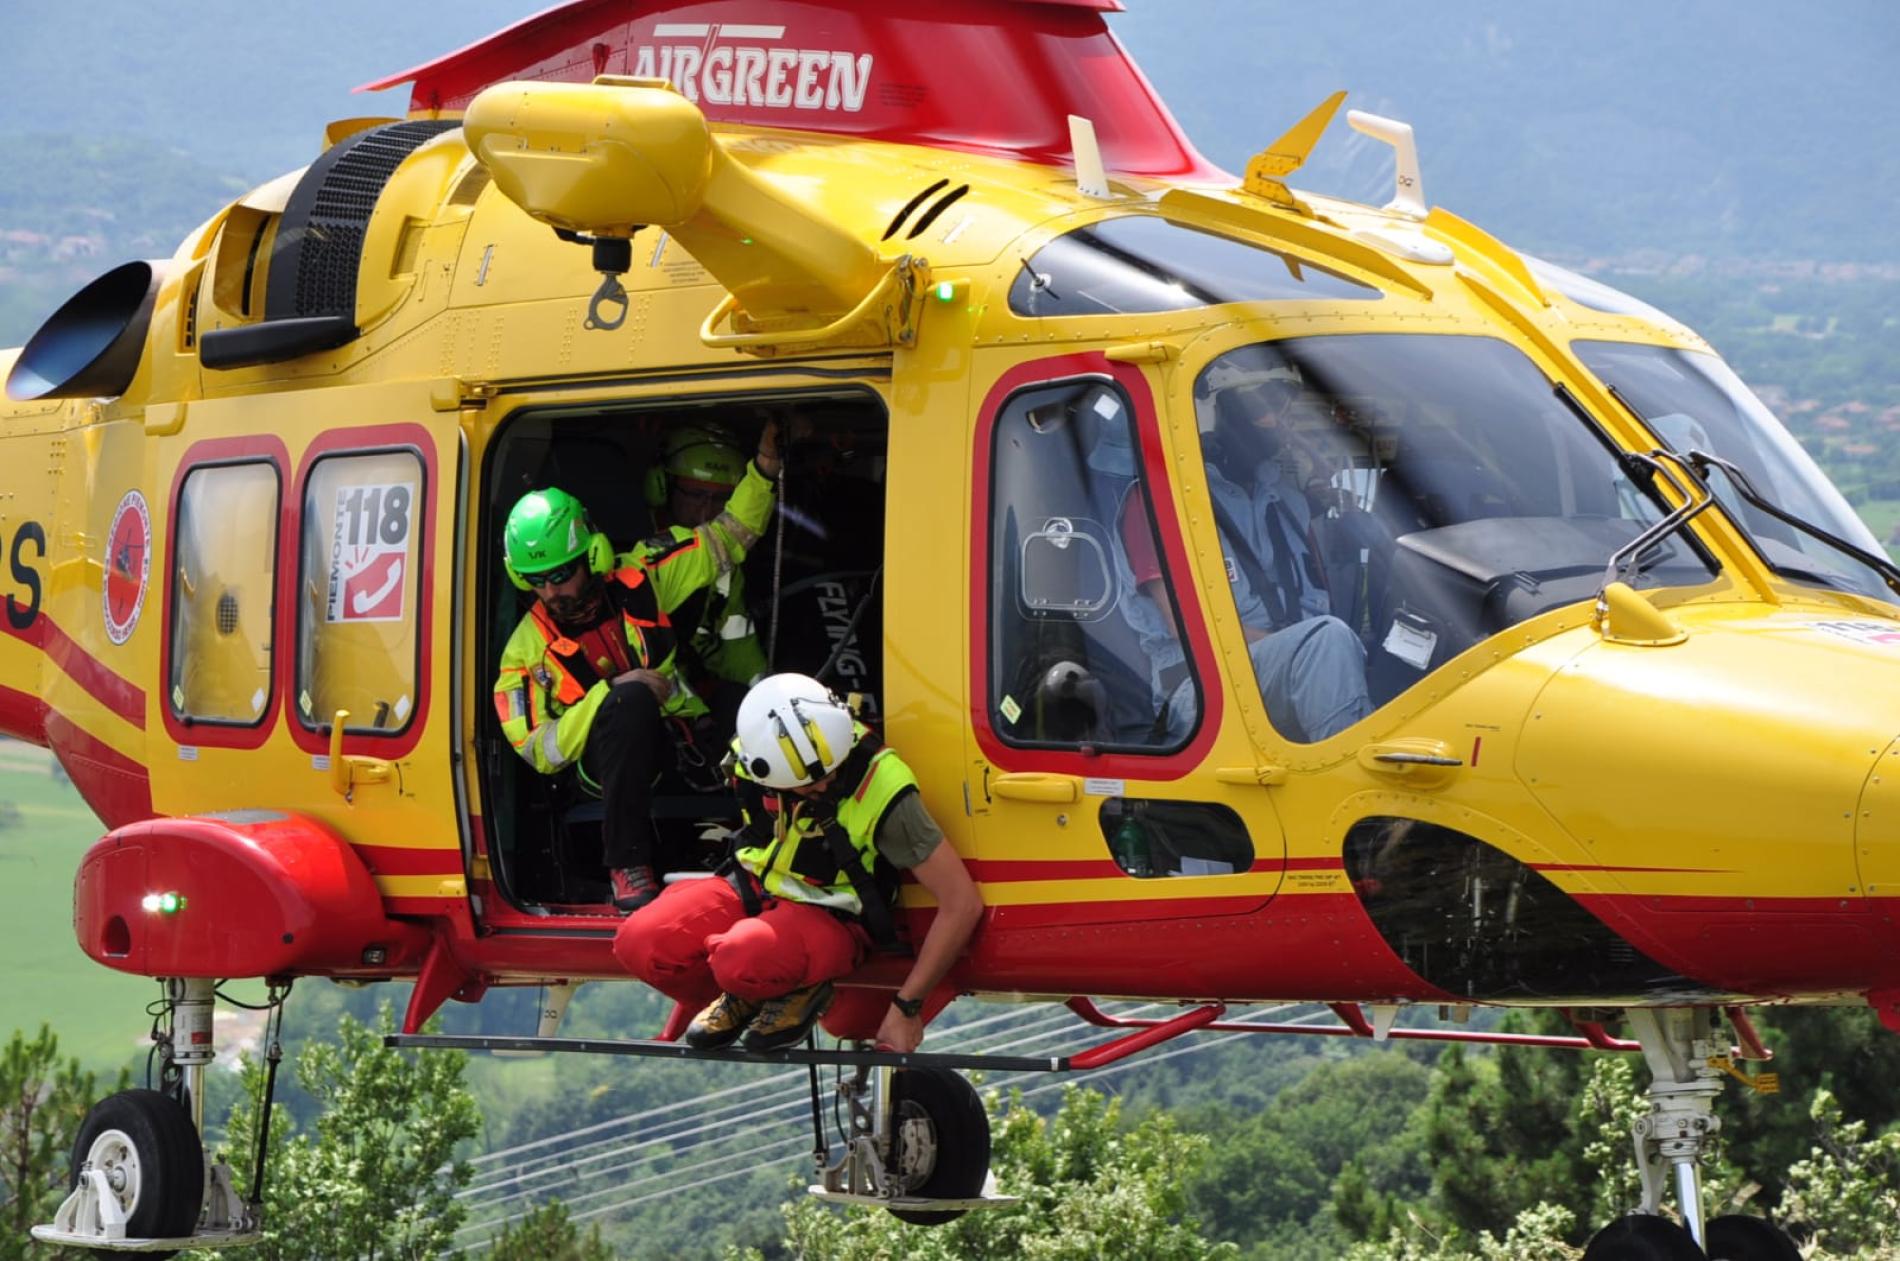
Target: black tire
[(149, 1138), (1738, 1237), (1642, 1237), (960, 1129)]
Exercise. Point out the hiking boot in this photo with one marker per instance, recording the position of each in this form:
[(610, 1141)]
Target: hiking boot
[(785, 1021), (632, 887), (721, 1023)]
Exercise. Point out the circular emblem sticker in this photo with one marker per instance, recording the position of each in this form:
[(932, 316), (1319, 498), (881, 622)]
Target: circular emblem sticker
[(128, 565)]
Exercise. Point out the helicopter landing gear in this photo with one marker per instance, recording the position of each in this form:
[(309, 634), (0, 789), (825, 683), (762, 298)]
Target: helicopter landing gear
[(1738, 1237), (141, 1181), (1684, 1056), (918, 1144), (1642, 1237)]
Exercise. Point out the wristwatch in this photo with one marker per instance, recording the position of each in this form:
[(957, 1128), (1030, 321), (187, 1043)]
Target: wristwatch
[(911, 1007)]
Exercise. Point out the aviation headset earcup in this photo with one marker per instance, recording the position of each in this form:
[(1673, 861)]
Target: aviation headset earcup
[(600, 554), (656, 486)]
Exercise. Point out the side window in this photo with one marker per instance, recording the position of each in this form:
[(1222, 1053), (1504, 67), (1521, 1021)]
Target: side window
[(356, 601), (1083, 642), (223, 608), (1175, 838)]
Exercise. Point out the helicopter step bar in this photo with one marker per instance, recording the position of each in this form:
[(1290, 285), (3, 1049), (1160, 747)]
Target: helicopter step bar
[(1141, 1034), (850, 1057)]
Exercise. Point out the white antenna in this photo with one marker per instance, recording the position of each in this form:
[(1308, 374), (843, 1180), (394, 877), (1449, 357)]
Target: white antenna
[(1091, 177), (1409, 200)]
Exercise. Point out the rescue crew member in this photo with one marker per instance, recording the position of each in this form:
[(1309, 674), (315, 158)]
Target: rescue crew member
[(699, 468), (831, 815), (591, 673)]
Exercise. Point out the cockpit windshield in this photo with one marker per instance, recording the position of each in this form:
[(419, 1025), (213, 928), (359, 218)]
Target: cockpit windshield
[(1145, 264), (1694, 401), (1386, 501)]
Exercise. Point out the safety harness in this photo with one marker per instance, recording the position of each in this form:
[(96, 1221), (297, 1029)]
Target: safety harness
[(826, 849)]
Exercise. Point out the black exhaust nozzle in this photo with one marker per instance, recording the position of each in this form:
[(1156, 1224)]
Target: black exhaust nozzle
[(91, 346)]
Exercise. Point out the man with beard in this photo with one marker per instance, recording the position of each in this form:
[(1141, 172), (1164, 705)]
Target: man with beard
[(591, 677)]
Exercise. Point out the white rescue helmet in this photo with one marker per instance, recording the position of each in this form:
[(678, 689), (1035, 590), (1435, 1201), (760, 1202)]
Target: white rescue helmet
[(792, 731)]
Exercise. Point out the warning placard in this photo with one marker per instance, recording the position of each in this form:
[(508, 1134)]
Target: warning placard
[(369, 552)]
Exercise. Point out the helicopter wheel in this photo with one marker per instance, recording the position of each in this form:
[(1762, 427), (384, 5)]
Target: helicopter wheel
[(1643, 1237), (1738, 1237), (942, 1148), (147, 1148)]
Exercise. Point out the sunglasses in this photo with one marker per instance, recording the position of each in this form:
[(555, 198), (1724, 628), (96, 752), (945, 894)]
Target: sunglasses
[(553, 577)]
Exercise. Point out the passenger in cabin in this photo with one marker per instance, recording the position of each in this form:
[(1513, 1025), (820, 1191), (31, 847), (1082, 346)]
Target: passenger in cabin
[(698, 469), (591, 677), (832, 815), (1309, 666)]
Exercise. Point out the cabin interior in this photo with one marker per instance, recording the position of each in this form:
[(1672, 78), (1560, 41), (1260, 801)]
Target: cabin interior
[(811, 586)]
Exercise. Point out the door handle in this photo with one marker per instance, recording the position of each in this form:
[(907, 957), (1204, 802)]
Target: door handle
[(1262, 776), (347, 771), (1054, 790), (1415, 760)]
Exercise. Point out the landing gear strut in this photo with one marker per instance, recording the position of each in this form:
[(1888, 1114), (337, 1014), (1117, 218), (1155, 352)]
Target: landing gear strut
[(1683, 1052), (141, 1180), (917, 1142)]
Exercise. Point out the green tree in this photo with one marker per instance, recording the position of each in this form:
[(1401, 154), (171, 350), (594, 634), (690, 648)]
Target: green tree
[(43, 1099), (548, 1234), (1848, 1190), (375, 1175), (1090, 1188)]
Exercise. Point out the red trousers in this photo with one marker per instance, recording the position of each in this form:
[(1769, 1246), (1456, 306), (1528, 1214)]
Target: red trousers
[(695, 940)]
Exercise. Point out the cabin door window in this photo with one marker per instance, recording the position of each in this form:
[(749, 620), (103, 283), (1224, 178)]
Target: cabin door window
[(223, 584), (1084, 646), (357, 601)]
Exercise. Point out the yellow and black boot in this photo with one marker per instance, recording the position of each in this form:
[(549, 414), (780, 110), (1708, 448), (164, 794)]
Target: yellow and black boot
[(785, 1021)]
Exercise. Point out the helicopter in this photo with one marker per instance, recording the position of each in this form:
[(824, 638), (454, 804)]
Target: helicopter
[(1277, 597)]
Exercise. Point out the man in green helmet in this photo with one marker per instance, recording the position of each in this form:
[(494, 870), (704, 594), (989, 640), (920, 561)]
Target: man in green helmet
[(591, 673), (699, 468)]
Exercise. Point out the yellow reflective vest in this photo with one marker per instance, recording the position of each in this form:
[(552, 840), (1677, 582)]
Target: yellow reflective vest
[(546, 694), (812, 838)]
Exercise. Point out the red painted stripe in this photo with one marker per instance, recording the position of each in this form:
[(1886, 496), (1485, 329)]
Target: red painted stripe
[(118, 789), (1680, 871), (1012, 870), (392, 860), (99, 682), (22, 716)]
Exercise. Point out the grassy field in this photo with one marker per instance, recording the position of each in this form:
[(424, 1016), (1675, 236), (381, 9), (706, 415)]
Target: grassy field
[(44, 830)]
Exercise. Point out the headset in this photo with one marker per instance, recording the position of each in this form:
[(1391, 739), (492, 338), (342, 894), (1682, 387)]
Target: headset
[(658, 484)]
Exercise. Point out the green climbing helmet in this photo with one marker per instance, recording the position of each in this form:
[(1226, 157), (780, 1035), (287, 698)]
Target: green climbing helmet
[(696, 453), (547, 529), (709, 459)]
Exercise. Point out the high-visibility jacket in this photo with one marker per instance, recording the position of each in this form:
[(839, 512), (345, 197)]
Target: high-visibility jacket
[(547, 692), (718, 627), (813, 843)]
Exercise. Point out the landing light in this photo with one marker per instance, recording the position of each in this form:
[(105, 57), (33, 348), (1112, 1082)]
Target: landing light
[(163, 903)]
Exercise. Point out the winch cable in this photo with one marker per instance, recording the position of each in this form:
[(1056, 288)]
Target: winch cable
[(785, 1087), (778, 549), (753, 1153), (958, 1036), (758, 1161), (571, 1170)]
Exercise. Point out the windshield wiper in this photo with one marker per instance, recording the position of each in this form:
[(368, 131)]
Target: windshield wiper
[(1643, 470), (1702, 461)]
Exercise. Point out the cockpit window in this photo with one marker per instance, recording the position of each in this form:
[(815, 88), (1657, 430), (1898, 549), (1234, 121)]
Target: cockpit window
[(1385, 502), (1075, 658), (1594, 294), (1142, 264), (1694, 401)]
